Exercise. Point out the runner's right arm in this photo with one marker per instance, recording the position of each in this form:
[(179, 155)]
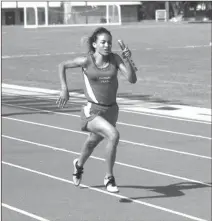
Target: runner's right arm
[(64, 94), (77, 62)]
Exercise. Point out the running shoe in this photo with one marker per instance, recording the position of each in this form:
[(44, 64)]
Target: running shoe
[(110, 184), (77, 175)]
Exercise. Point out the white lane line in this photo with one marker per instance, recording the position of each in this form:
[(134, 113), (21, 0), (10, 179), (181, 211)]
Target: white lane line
[(179, 111), (39, 55), (165, 131), (24, 212), (126, 124), (165, 116), (126, 111), (101, 159), (42, 110), (115, 50), (44, 125), (121, 140), (105, 192), (182, 111), (166, 149)]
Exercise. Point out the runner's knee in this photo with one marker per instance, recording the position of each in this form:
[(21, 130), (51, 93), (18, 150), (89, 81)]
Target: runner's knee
[(93, 140), (114, 136)]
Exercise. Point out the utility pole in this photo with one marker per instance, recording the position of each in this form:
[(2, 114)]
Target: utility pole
[(86, 12), (167, 10)]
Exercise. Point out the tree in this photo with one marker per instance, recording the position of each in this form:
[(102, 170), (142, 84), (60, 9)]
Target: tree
[(176, 8), (182, 7)]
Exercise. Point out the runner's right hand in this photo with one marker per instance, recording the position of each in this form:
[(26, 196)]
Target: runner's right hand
[(63, 98)]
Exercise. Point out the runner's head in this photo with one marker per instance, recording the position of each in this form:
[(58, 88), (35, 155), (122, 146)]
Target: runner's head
[(100, 41)]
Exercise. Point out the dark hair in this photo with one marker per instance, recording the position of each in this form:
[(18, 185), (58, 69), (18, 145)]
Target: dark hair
[(94, 36)]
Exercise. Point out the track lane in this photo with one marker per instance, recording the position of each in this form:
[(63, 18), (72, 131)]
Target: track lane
[(160, 160), (169, 141), (137, 192), (129, 183)]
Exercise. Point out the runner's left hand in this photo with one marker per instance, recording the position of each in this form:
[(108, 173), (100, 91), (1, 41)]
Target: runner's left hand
[(126, 53)]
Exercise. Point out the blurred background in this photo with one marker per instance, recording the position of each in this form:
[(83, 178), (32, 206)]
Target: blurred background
[(13, 13)]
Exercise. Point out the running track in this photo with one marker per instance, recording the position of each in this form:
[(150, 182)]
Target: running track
[(163, 166)]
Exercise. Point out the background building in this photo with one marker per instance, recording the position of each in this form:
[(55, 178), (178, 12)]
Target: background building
[(13, 12), (68, 12)]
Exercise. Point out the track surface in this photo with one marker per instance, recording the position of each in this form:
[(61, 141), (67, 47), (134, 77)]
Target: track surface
[(163, 166)]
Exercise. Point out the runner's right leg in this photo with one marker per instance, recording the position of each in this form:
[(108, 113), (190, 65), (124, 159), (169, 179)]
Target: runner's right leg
[(92, 141), (102, 127)]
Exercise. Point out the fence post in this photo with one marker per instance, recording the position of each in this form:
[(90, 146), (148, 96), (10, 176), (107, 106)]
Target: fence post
[(167, 10)]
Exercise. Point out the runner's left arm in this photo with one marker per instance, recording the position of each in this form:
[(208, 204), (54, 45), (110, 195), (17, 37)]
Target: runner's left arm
[(126, 67)]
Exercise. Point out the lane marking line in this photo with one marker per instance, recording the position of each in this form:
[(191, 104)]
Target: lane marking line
[(126, 111), (105, 192), (165, 131), (121, 110), (121, 140), (118, 163), (115, 50), (165, 116), (122, 123), (31, 215), (181, 111)]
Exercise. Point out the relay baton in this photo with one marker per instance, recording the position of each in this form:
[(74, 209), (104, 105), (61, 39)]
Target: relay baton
[(122, 46)]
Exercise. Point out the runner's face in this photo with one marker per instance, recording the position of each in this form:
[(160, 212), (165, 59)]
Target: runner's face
[(103, 44)]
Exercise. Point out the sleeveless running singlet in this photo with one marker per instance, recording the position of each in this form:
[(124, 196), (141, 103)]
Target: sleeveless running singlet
[(101, 84)]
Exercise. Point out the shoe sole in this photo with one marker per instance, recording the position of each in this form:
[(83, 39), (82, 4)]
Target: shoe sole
[(74, 163), (112, 191)]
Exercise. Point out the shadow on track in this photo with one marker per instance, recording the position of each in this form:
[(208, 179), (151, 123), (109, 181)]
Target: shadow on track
[(173, 190)]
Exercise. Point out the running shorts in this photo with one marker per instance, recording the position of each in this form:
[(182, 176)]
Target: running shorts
[(91, 110)]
